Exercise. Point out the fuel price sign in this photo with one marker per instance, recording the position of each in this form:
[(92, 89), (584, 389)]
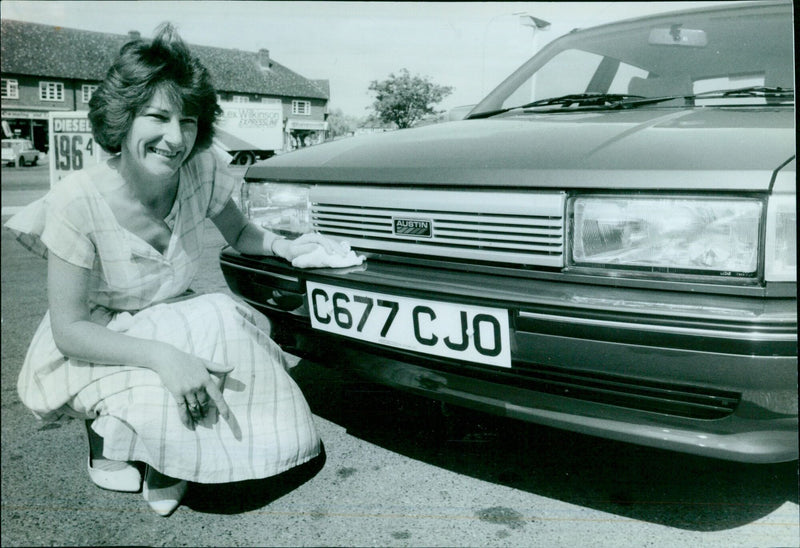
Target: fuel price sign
[(72, 146)]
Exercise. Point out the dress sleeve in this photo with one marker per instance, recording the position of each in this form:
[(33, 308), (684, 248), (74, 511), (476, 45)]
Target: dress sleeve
[(56, 223), (223, 185)]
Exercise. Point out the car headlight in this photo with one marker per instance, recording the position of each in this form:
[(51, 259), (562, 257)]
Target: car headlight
[(281, 208), (686, 235)]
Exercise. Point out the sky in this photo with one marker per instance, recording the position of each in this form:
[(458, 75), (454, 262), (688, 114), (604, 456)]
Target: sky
[(470, 46)]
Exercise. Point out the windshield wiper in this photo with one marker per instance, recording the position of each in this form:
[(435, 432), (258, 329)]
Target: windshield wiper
[(766, 92), (622, 100), (750, 91), (581, 99)]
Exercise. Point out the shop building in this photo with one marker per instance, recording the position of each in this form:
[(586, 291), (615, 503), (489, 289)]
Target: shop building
[(46, 68)]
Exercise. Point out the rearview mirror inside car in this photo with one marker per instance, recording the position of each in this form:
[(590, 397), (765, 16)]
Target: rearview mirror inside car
[(675, 35)]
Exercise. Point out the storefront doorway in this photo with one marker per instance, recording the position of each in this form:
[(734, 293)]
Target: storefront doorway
[(27, 125)]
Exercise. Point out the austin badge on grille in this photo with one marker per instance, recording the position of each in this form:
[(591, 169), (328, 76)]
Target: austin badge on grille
[(418, 228)]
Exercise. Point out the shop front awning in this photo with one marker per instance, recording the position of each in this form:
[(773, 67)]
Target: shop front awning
[(312, 125)]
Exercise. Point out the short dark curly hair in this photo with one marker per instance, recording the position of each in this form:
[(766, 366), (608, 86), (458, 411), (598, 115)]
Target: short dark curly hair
[(142, 67)]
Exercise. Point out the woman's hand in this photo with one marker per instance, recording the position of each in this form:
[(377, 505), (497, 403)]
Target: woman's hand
[(311, 250), (307, 243), (189, 380), (248, 238)]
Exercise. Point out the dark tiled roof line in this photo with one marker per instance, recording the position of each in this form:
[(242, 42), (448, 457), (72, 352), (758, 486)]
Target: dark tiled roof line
[(58, 52)]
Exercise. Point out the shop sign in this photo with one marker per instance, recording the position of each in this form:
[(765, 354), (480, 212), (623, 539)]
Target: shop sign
[(72, 145), (307, 124), (24, 115)]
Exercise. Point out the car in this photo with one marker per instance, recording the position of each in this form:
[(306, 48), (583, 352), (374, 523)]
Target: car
[(19, 152), (605, 244)]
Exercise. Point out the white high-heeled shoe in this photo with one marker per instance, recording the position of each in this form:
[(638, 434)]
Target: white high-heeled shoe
[(127, 479), (163, 500)]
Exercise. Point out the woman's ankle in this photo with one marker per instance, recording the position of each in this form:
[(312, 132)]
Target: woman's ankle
[(157, 480), (95, 442), (96, 458)]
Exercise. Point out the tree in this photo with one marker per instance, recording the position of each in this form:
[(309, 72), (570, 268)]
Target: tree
[(404, 99), (340, 123)]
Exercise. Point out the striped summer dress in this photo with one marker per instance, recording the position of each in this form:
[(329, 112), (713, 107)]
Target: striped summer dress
[(136, 290)]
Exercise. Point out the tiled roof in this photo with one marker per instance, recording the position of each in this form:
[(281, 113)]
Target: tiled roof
[(58, 52), (324, 85)]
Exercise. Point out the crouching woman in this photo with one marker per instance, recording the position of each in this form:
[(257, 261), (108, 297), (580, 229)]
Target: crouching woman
[(187, 388)]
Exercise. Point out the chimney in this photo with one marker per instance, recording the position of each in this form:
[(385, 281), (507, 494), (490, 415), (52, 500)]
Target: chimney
[(263, 58), (134, 35)]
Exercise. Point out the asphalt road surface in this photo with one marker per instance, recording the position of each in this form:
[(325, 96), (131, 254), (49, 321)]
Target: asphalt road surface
[(397, 471)]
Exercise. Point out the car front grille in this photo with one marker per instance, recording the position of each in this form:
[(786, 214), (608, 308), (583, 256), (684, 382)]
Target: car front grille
[(499, 227)]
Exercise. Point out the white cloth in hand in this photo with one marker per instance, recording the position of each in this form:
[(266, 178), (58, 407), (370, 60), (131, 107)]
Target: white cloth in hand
[(319, 258)]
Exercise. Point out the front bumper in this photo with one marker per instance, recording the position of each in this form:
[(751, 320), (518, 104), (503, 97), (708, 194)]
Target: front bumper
[(712, 375)]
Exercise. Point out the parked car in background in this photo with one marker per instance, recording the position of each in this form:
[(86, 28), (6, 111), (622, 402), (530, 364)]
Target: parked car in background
[(19, 152), (605, 244)]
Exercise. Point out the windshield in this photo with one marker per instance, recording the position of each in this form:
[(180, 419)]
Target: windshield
[(669, 56)]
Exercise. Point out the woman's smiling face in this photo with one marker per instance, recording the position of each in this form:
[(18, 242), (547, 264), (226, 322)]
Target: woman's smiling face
[(160, 139)]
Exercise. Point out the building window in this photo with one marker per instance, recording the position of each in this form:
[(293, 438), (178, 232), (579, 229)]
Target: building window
[(271, 100), (240, 99), (86, 92), (51, 91), (10, 89), (302, 108)]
